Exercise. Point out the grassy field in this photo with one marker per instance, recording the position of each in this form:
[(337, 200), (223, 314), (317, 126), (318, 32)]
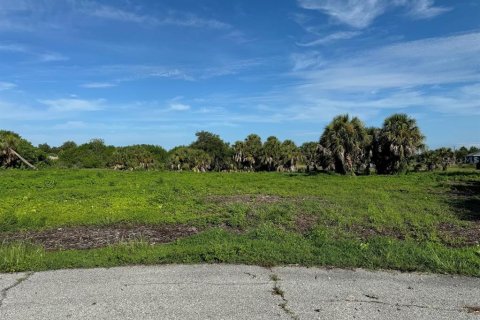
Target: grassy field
[(422, 221)]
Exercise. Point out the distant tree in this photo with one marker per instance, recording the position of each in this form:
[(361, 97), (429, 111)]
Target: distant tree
[(67, 145), (460, 154), (290, 155), (215, 147), (45, 148), (247, 153), (446, 157), (343, 145), (185, 158), (11, 145), (159, 153), (94, 154), (132, 157), (473, 149), (271, 153), (309, 151), (399, 139)]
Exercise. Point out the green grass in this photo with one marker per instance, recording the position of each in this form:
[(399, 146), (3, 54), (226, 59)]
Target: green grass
[(402, 215)]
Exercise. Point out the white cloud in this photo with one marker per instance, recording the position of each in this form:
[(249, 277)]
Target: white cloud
[(7, 86), (444, 60), (112, 13), (13, 47), (307, 60), (98, 85), (229, 68), (191, 20), (71, 104), (341, 35), (51, 57), (356, 13), (71, 125), (424, 9), (361, 13), (135, 72), (177, 106), (172, 18), (38, 54)]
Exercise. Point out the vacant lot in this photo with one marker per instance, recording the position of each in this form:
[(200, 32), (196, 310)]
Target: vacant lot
[(56, 219)]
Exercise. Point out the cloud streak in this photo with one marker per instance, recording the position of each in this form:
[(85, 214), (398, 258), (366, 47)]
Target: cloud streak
[(73, 104), (435, 61), (98, 85), (173, 18), (341, 35), (7, 86), (361, 13)]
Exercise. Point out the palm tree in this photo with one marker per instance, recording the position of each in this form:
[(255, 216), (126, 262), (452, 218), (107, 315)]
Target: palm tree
[(271, 153), (8, 144), (290, 155), (248, 152), (400, 139), (343, 144), (309, 152)]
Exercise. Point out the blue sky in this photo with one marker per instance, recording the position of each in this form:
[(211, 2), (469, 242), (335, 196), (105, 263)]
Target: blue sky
[(158, 71)]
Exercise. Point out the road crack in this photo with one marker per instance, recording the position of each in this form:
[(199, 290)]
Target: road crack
[(279, 292), (3, 293), (392, 304)]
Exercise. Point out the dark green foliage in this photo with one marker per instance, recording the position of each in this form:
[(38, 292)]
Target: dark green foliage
[(310, 156), (248, 153), (434, 159), (290, 156), (346, 147), (216, 148), (396, 143), (343, 145), (271, 154), (186, 158), (94, 154), (12, 141)]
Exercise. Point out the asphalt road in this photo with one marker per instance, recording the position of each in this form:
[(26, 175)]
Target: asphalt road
[(235, 292)]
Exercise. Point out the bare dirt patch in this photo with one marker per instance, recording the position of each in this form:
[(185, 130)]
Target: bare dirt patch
[(465, 198), (88, 237), (305, 222), (244, 198), (367, 232), (451, 235), (465, 235)]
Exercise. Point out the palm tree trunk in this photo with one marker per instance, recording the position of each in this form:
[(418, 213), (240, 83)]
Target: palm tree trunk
[(23, 159)]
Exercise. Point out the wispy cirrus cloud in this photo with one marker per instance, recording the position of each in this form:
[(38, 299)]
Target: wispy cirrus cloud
[(306, 60), (7, 86), (51, 57), (34, 54), (423, 9), (69, 125), (98, 85), (73, 104), (177, 106), (12, 47), (28, 15), (434, 61), (361, 13), (171, 18), (341, 35)]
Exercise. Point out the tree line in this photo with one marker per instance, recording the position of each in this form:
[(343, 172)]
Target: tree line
[(346, 146)]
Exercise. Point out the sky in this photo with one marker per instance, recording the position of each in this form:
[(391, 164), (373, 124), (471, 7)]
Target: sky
[(156, 72)]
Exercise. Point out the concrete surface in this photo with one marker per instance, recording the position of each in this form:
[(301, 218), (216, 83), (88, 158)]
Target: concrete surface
[(235, 292)]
